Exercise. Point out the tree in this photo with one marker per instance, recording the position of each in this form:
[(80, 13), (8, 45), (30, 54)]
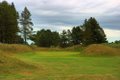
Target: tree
[(46, 38), (77, 35), (117, 41), (55, 39), (63, 39), (26, 23), (88, 33), (93, 33), (69, 37), (8, 23)]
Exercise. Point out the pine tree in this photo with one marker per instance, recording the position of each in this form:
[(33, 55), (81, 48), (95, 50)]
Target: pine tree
[(63, 39), (8, 23), (77, 35), (93, 32), (26, 23)]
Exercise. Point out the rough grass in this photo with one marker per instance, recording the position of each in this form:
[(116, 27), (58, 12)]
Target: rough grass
[(101, 50), (9, 64), (74, 48), (11, 67), (114, 45), (15, 48)]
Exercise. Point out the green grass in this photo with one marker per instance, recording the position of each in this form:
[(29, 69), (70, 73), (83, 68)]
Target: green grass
[(63, 65)]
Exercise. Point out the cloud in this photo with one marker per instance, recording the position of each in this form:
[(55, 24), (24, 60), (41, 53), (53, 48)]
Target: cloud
[(57, 13), (112, 35), (61, 11), (73, 12)]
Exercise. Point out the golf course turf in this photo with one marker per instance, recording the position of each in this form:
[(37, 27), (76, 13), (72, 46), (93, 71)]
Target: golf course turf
[(64, 65)]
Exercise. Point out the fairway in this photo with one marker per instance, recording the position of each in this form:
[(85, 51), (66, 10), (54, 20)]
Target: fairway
[(63, 65)]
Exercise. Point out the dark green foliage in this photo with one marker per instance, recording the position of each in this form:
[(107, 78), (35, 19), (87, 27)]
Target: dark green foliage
[(8, 23), (69, 38), (77, 35), (64, 39), (26, 23), (89, 33), (19, 40), (55, 38), (46, 38), (93, 33), (117, 42)]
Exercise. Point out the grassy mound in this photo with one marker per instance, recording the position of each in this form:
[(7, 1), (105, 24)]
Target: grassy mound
[(9, 64), (15, 48), (99, 49)]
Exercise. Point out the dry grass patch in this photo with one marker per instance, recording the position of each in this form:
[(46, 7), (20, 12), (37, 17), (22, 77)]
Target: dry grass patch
[(9, 64), (99, 49), (15, 48), (92, 77)]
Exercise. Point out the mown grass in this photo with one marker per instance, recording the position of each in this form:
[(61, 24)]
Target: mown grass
[(71, 66)]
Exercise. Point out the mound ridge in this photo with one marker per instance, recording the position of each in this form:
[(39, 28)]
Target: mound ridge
[(9, 64), (100, 49), (15, 48)]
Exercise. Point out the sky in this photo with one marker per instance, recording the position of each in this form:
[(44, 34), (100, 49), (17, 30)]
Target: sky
[(64, 14)]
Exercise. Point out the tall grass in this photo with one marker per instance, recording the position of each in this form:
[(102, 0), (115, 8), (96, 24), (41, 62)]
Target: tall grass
[(100, 50), (10, 64), (114, 45), (15, 48)]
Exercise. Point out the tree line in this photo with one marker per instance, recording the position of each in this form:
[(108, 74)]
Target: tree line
[(15, 28), (88, 33), (10, 31)]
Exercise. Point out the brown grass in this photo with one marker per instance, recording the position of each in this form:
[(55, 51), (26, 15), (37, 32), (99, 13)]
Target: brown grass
[(92, 77), (99, 49), (9, 64), (14, 48)]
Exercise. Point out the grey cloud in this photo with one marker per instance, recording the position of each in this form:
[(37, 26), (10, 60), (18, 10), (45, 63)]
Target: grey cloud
[(72, 12)]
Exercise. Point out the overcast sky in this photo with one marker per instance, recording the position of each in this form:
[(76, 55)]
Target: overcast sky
[(64, 14)]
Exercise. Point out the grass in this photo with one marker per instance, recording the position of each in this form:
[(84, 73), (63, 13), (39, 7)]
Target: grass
[(69, 66), (101, 50), (113, 45), (11, 67), (56, 64), (13, 48)]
